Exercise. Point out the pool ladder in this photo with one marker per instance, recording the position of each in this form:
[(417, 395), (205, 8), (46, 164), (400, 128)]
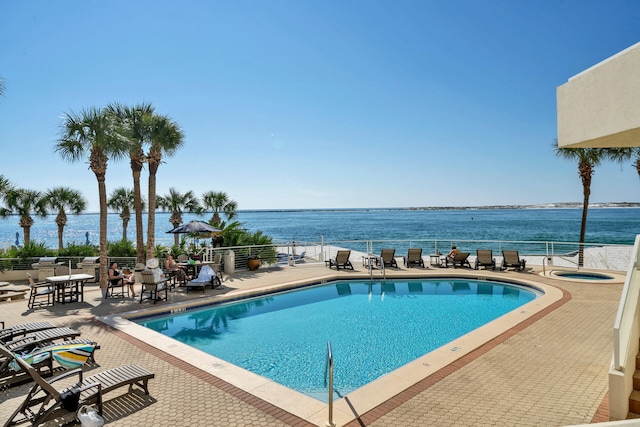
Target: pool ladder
[(328, 372)]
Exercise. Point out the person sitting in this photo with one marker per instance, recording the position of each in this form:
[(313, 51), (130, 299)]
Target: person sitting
[(451, 255), (115, 274), (171, 266)]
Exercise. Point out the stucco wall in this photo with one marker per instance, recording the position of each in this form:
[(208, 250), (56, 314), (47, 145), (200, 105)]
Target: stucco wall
[(600, 107)]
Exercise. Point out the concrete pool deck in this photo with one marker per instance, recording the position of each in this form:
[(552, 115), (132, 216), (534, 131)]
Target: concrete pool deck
[(550, 369)]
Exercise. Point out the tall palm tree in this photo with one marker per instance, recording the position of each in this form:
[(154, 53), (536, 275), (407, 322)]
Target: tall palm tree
[(93, 133), (122, 200), (219, 202), (62, 199), (23, 203), (588, 159), (177, 203), (135, 120), (622, 155), (166, 138)]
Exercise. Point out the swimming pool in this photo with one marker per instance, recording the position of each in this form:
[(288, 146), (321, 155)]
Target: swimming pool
[(374, 327)]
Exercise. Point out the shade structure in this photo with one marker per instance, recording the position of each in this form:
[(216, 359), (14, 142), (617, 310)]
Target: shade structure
[(193, 227)]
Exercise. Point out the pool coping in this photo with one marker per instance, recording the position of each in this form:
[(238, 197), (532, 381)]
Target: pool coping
[(364, 399)]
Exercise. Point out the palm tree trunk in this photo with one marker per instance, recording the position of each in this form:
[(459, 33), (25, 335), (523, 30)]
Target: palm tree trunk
[(60, 232), (151, 221), (137, 203), (102, 195), (27, 234), (586, 191)]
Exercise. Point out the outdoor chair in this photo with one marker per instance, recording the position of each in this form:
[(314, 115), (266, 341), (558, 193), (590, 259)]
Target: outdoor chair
[(512, 259), (152, 288), (414, 257), (341, 260), (387, 256), (45, 401), (459, 260), (39, 292), (484, 258), (116, 288), (8, 334), (206, 277), (40, 338)]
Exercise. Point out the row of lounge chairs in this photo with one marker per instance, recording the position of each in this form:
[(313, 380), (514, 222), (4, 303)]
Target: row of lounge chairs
[(47, 400), (484, 258)]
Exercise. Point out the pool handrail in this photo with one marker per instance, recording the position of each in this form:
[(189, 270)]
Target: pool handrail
[(328, 370)]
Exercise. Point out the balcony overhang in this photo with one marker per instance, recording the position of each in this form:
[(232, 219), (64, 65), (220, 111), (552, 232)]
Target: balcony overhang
[(600, 107)]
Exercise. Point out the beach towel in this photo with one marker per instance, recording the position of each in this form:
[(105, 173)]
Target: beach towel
[(69, 356), (205, 275)]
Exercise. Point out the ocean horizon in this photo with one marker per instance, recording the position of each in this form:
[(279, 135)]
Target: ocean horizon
[(610, 223)]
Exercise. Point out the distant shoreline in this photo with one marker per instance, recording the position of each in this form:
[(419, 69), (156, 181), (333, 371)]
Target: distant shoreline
[(565, 205)]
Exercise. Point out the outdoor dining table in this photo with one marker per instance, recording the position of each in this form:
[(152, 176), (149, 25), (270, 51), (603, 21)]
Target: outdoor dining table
[(69, 287)]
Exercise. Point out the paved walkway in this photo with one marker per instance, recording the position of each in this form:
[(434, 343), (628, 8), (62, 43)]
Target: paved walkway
[(551, 371)]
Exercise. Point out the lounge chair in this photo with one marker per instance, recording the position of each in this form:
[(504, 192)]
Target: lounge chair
[(40, 291), (512, 259), (414, 256), (484, 258), (45, 402), (69, 355), (206, 277), (387, 256), (151, 288), (341, 260), (8, 334), (459, 260), (40, 338)]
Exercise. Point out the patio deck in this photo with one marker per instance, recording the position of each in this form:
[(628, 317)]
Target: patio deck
[(552, 369)]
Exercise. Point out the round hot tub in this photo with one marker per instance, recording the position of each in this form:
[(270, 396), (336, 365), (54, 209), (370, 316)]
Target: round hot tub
[(585, 276)]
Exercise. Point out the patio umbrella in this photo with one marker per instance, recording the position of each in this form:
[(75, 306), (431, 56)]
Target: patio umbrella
[(194, 227)]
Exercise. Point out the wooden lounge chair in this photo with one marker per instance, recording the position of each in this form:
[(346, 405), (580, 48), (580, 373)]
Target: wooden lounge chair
[(512, 259), (9, 334), (459, 260), (341, 260), (40, 338), (414, 257), (484, 258), (387, 256), (40, 291), (153, 289), (69, 354), (46, 402)]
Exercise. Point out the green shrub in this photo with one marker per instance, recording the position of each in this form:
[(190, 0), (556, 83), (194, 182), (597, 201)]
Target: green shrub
[(121, 248), (31, 249), (83, 250)]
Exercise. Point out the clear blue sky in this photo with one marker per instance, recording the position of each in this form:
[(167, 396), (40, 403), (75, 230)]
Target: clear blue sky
[(317, 104)]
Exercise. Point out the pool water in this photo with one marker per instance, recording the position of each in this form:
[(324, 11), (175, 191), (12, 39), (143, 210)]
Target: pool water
[(374, 327), (584, 276)]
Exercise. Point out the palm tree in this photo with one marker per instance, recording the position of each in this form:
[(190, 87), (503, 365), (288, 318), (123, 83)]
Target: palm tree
[(121, 200), (588, 159), (23, 203), (135, 121), (93, 133), (62, 199), (166, 137), (178, 203), (219, 202)]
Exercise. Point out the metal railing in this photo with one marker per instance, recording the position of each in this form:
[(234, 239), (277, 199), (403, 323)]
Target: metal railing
[(328, 372)]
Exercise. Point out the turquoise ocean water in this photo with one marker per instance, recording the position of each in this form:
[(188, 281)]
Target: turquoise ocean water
[(605, 225)]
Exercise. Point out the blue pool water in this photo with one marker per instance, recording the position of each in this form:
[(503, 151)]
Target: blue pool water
[(584, 276), (374, 327)]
